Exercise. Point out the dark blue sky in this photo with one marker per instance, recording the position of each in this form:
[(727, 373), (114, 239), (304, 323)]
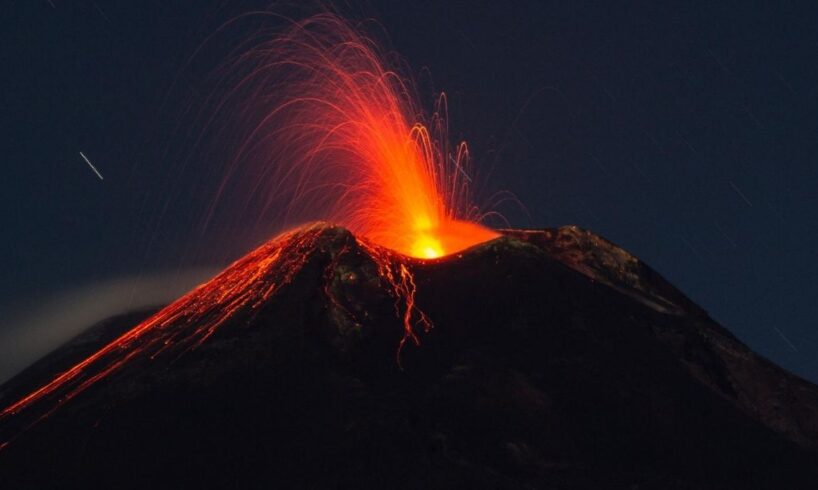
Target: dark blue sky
[(688, 134)]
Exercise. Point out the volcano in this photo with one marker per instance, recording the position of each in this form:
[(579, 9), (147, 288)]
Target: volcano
[(538, 359)]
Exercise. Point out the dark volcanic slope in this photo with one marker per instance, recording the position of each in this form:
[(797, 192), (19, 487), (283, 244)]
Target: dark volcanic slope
[(557, 360)]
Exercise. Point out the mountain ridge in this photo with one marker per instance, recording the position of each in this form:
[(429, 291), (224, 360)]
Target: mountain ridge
[(555, 359)]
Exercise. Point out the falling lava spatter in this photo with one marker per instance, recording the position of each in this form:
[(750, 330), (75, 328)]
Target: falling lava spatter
[(337, 135), (343, 138)]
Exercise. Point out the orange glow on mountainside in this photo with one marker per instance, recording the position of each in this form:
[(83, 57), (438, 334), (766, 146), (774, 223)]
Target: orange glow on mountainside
[(241, 290)]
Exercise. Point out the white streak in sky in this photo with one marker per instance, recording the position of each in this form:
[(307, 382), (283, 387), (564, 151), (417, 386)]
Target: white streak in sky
[(741, 194), (91, 165), (785, 339), (459, 168)]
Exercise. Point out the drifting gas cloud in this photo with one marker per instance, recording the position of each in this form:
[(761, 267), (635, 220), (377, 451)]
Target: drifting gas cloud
[(26, 337)]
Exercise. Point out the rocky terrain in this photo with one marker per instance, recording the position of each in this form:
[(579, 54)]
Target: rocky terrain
[(555, 360)]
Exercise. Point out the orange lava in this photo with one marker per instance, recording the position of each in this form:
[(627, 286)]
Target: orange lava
[(237, 293), (190, 320), (339, 136)]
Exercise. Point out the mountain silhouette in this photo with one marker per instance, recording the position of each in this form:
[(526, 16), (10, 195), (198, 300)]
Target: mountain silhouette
[(540, 359)]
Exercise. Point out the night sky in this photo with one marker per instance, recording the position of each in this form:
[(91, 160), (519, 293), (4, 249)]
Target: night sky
[(686, 134)]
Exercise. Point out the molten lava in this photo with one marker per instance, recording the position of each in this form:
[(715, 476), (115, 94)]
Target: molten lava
[(236, 293), (339, 136)]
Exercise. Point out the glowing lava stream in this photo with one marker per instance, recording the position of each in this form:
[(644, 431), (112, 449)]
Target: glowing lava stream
[(338, 134), (243, 287)]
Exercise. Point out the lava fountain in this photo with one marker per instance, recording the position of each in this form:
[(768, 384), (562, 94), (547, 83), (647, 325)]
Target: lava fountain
[(337, 133)]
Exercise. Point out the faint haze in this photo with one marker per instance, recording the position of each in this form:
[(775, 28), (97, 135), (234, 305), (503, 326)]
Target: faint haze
[(28, 335)]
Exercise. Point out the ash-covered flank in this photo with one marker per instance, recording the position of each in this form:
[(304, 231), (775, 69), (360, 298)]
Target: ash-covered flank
[(546, 359)]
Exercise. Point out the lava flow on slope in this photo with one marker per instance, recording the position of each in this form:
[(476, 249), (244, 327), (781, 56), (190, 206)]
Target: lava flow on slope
[(238, 291)]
